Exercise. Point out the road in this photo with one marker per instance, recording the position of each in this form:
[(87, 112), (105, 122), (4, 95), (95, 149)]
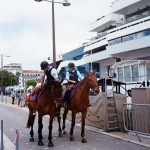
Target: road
[(15, 118)]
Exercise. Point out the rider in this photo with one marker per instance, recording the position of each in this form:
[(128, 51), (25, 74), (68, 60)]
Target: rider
[(49, 72), (51, 75), (73, 76)]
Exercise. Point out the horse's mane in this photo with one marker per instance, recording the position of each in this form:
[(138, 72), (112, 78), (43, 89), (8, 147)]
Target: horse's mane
[(53, 86), (56, 84), (82, 81)]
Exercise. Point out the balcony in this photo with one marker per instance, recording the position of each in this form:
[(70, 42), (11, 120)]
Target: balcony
[(104, 22), (95, 44), (125, 7), (128, 46)]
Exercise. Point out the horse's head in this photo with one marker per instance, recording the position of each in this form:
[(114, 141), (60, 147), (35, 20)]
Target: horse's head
[(92, 81)]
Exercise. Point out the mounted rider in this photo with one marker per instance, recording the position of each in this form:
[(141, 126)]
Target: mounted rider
[(50, 73), (73, 76)]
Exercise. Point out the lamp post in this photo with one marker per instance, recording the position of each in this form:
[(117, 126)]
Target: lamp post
[(64, 3), (1, 84)]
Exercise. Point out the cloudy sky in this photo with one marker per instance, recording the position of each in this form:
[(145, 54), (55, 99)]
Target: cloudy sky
[(26, 31)]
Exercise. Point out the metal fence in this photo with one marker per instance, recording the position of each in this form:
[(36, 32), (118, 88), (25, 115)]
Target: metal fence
[(137, 119)]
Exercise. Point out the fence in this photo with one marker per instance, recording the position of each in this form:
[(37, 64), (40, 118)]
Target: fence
[(137, 119)]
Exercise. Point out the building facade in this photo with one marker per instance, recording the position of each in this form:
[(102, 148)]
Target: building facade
[(30, 75), (122, 35)]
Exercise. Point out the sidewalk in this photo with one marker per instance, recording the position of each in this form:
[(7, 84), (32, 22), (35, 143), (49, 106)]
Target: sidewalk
[(119, 135), (8, 145)]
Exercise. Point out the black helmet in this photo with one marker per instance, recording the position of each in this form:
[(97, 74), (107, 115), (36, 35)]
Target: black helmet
[(71, 65), (44, 64)]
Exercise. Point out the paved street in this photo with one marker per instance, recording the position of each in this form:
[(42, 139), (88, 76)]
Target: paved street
[(16, 118)]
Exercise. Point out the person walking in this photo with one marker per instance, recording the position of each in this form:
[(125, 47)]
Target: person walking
[(13, 96)]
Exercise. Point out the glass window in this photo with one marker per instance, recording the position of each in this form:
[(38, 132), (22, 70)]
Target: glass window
[(127, 74), (132, 37), (125, 38), (147, 32), (140, 34), (120, 74), (148, 71), (135, 73)]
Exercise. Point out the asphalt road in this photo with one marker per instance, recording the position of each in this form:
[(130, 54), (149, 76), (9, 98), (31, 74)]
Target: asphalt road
[(15, 118)]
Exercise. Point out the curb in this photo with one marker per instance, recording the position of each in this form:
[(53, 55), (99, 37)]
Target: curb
[(8, 144), (124, 139)]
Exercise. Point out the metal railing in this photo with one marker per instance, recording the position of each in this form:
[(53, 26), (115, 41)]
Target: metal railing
[(137, 119)]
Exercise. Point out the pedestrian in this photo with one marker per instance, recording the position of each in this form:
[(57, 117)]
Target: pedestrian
[(13, 96), (19, 97)]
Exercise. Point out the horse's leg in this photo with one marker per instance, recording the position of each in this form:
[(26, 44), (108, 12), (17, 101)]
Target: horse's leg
[(50, 143), (72, 126), (64, 120), (59, 124), (30, 123), (40, 127), (83, 126)]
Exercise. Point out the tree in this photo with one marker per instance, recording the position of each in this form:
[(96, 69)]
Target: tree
[(31, 83), (6, 78)]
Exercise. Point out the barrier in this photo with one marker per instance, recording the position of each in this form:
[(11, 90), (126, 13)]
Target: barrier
[(2, 141), (137, 119)]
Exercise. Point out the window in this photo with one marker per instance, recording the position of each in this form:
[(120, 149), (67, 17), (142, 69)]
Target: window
[(120, 74), (125, 38), (140, 34), (135, 73), (127, 74), (148, 71)]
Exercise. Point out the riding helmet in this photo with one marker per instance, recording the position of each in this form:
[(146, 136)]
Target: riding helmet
[(71, 65), (44, 64)]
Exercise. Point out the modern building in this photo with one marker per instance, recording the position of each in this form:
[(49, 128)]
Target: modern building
[(124, 34), (121, 35)]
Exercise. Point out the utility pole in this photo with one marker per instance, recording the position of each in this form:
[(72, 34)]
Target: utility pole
[(1, 84)]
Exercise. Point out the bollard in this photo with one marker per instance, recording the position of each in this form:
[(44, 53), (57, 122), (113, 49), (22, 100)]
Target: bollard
[(17, 140), (2, 142)]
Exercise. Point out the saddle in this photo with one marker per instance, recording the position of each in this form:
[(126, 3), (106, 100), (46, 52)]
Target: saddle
[(35, 93), (68, 93)]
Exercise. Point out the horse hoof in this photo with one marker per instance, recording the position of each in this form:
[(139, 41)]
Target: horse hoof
[(72, 139), (64, 132), (50, 144), (84, 141), (40, 143), (31, 139)]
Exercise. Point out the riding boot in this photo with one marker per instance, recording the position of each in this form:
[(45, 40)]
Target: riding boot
[(66, 98)]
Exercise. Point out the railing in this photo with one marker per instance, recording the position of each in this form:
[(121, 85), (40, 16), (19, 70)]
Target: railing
[(137, 119)]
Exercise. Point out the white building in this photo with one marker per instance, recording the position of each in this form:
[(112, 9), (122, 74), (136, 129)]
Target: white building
[(122, 35), (29, 75), (13, 68)]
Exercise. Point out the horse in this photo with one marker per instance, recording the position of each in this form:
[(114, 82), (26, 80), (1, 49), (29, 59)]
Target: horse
[(79, 102), (45, 105)]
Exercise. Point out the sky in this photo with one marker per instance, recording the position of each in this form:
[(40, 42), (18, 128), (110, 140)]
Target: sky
[(26, 28)]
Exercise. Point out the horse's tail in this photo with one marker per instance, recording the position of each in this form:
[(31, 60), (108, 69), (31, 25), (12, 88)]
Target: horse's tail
[(31, 119)]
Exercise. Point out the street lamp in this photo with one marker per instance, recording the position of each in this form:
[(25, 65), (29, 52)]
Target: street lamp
[(2, 75), (64, 3)]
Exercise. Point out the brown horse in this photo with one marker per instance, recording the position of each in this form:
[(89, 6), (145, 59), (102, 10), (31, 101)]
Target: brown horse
[(80, 102), (45, 105)]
